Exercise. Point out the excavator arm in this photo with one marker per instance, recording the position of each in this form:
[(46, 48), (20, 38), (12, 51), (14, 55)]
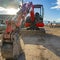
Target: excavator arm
[(21, 14)]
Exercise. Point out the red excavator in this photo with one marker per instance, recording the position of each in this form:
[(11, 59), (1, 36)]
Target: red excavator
[(35, 20), (11, 46)]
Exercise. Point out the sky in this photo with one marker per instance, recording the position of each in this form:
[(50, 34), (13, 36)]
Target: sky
[(51, 8)]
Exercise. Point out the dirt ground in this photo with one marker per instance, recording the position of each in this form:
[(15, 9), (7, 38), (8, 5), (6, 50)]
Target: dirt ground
[(40, 47), (45, 47)]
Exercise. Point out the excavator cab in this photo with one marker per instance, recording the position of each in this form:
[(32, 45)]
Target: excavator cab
[(38, 18), (39, 9)]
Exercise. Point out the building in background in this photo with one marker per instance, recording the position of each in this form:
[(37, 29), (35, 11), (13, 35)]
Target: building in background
[(3, 19)]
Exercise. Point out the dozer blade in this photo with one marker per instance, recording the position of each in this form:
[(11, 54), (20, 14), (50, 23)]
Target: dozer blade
[(27, 33)]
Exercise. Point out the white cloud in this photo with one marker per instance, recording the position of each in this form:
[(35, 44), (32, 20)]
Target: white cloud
[(1, 8), (58, 20), (8, 10), (44, 18), (57, 6)]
